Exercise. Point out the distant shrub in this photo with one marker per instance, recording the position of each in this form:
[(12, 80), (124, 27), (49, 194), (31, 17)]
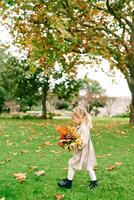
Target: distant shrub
[(51, 115), (24, 109), (15, 116), (63, 105), (123, 115), (30, 117)]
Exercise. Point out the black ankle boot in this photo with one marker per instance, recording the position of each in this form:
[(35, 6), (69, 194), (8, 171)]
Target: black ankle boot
[(65, 183), (93, 184)]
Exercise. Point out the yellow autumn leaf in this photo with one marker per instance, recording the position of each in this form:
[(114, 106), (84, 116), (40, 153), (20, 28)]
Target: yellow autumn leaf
[(59, 196), (40, 173), (24, 151), (104, 155), (118, 163), (46, 144), (33, 167), (3, 198), (110, 167)]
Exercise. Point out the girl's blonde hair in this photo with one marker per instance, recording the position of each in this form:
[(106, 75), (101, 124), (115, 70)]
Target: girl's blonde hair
[(81, 111)]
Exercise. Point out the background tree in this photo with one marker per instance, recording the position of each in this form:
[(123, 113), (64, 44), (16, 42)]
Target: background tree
[(18, 84), (27, 92), (24, 85), (68, 89), (11, 71), (91, 95)]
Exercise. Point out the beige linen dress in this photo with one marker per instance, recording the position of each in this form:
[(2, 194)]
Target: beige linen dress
[(84, 158)]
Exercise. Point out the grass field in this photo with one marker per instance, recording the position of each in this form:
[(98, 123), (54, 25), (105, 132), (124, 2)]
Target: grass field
[(28, 143)]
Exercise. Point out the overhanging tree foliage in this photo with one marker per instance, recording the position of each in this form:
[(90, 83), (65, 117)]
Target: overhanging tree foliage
[(115, 22), (51, 29)]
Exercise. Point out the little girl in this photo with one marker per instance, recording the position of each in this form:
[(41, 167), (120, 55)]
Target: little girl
[(84, 158)]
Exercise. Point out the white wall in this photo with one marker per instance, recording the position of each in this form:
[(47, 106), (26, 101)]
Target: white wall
[(120, 105)]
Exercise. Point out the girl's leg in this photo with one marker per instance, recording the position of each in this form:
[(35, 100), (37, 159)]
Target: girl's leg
[(71, 173), (67, 183), (92, 174), (94, 182)]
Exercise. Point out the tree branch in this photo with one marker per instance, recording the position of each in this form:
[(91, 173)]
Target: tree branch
[(128, 22), (116, 16), (97, 28)]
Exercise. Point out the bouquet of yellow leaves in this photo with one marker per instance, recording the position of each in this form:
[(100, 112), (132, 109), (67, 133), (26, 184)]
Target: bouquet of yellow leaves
[(69, 138)]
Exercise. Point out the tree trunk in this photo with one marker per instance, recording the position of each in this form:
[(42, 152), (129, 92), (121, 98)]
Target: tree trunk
[(130, 81), (45, 89), (130, 78), (132, 110)]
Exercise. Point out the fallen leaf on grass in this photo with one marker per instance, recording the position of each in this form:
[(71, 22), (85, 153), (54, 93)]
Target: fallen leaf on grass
[(2, 162), (33, 167), (6, 135), (5, 161), (118, 163), (20, 176), (9, 143), (13, 153), (31, 138), (24, 142), (24, 151), (110, 167), (119, 132), (48, 136), (123, 133), (59, 196), (46, 144), (40, 173), (104, 155), (55, 152), (37, 150)]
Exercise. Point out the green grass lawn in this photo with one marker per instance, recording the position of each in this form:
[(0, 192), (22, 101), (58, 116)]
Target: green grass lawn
[(26, 143)]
